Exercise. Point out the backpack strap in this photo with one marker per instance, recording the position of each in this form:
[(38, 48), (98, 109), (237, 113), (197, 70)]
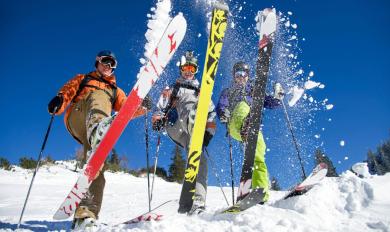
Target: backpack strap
[(175, 90), (84, 83)]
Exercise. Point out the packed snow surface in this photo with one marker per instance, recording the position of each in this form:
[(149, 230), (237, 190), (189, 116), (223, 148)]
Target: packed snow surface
[(346, 203)]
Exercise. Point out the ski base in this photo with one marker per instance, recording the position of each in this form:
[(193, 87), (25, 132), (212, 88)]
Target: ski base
[(253, 198)]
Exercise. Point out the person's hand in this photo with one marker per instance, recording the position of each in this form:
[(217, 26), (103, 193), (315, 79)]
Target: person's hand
[(158, 122), (55, 104), (224, 118), (147, 103), (278, 91)]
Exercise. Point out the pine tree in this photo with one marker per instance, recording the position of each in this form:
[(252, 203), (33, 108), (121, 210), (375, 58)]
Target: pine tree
[(275, 184), (384, 154), (177, 167), (113, 162), (114, 159), (371, 162), (5, 164), (322, 158)]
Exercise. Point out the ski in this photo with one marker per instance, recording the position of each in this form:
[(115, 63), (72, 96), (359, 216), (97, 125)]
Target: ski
[(314, 178), (254, 197), (267, 21), (166, 47), (213, 52), (150, 215)]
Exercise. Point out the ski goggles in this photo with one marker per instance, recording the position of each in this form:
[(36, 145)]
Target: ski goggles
[(240, 74), (189, 68), (107, 60)]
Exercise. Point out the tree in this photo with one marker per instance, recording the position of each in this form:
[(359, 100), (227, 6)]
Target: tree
[(379, 162), (320, 157), (48, 160), (275, 184), (27, 163), (113, 162), (79, 156), (4, 163), (372, 163), (384, 154), (177, 167)]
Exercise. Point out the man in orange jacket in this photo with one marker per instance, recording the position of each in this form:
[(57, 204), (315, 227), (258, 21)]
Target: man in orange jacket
[(87, 100)]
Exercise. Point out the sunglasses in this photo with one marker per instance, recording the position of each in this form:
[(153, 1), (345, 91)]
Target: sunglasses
[(189, 68), (240, 74), (107, 60)]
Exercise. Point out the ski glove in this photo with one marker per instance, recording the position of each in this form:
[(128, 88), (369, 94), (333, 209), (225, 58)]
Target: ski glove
[(147, 103), (55, 104), (224, 116), (206, 139), (278, 91), (159, 123)]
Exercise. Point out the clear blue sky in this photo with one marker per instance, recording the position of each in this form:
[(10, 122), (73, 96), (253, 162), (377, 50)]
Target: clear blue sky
[(45, 43)]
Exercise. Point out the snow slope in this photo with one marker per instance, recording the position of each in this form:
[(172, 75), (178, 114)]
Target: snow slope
[(347, 203)]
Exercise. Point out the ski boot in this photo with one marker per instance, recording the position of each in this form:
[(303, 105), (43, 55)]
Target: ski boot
[(198, 206), (83, 219), (97, 131)]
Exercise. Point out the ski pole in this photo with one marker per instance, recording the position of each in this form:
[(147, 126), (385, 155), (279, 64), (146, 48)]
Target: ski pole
[(147, 154), (216, 175), (37, 167), (231, 160), (155, 164), (293, 138)]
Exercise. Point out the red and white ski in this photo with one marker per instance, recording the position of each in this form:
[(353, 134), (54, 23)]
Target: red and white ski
[(314, 178), (166, 47)]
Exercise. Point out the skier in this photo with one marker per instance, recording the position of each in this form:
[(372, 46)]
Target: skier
[(177, 118), (91, 98), (233, 109)]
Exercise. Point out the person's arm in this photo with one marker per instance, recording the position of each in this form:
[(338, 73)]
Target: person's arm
[(223, 106), (65, 95), (271, 102)]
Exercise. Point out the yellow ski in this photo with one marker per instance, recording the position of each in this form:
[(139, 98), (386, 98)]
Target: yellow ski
[(214, 48)]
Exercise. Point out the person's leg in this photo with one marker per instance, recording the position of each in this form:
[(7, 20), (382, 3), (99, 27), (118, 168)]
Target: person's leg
[(260, 172)]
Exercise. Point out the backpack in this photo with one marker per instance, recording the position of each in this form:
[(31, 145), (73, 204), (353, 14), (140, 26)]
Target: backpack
[(84, 83)]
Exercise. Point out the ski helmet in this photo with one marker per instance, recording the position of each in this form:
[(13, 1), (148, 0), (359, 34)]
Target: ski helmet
[(189, 59), (240, 66), (111, 59)]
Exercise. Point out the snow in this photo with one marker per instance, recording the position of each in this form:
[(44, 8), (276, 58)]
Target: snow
[(329, 106), (361, 169), (345, 203), (156, 26), (311, 84), (297, 94)]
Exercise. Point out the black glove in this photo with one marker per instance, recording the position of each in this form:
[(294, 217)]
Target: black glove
[(225, 115), (55, 104), (159, 124), (207, 138), (147, 103)]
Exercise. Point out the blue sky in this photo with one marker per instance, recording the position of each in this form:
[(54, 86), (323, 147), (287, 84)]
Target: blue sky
[(346, 45)]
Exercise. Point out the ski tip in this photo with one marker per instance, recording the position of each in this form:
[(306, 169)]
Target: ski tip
[(221, 5), (59, 215)]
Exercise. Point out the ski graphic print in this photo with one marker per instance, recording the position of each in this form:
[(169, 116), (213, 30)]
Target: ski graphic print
[(214, 48), (268, 21), (167, 46)]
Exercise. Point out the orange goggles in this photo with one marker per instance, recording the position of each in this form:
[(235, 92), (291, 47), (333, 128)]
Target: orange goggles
[(188, 68)]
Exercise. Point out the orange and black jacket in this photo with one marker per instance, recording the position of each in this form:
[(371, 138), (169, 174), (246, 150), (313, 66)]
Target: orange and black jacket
[(71, 89)]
